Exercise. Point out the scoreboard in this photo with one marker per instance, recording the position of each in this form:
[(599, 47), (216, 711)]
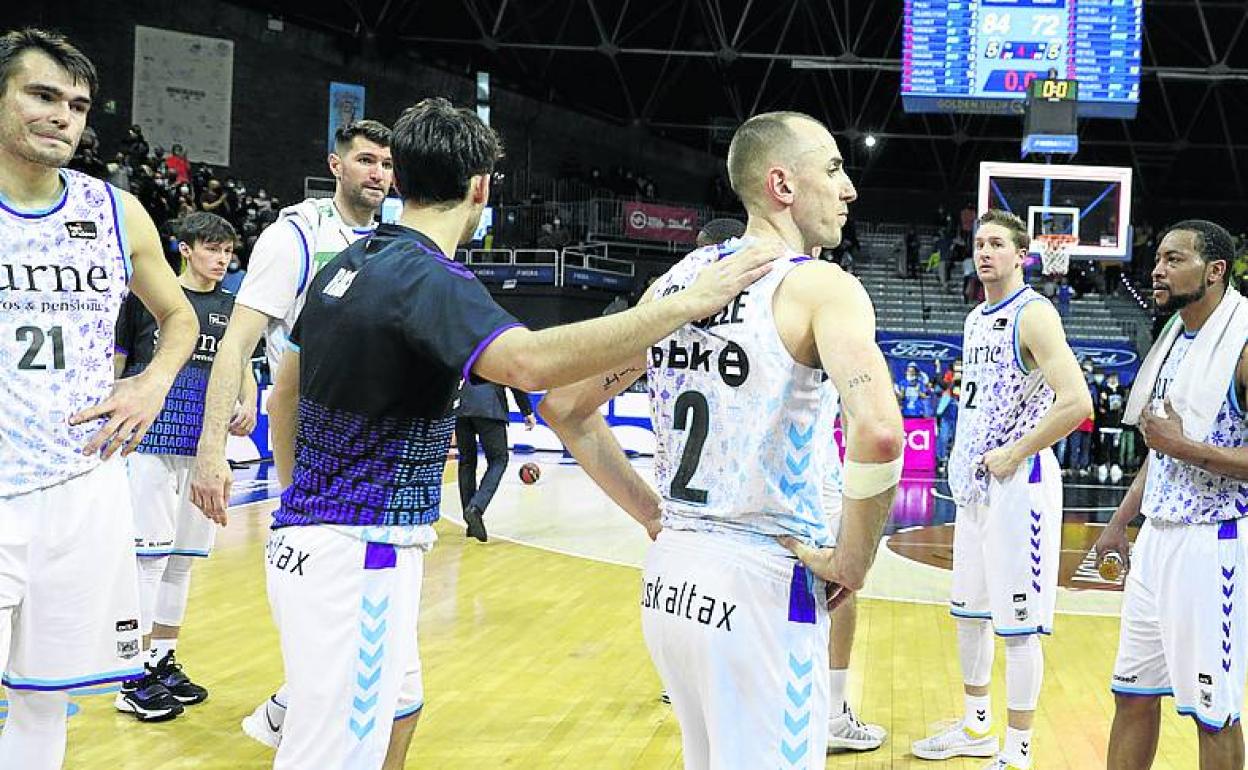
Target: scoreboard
[(982, 55)]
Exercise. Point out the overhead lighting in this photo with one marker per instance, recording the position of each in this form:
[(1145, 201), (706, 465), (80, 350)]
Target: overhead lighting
[(869, 140)]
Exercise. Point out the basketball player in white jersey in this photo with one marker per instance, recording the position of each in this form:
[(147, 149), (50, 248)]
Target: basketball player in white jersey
[(1022, 391), (738, 628), (70, 249), (284, 260), (1185, 609)]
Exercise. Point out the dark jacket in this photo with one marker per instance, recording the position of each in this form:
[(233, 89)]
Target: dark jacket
[(487, 400)]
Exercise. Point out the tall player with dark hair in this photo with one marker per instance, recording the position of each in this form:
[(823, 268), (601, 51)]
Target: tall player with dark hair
[(364, 464), (72, 247), (1185, 608)]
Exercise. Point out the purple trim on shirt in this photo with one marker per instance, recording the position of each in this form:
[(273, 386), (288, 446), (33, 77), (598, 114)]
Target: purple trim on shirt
[(796, 260), (379, 556), (481, 346), (306, 269), (1035, 470), (121, 350), (801, 597), (461, 270), (1228, 530)]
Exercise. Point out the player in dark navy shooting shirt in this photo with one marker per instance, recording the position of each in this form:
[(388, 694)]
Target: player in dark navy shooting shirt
[(169, 530), (390, 328)]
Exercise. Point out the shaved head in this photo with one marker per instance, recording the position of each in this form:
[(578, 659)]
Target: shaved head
[(764, 141)]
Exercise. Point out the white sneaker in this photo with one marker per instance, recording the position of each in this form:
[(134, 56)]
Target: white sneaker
[(955, 742), (259, 725), (846, 732)]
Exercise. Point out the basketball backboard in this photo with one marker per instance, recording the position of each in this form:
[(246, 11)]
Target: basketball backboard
[(1092, 202)]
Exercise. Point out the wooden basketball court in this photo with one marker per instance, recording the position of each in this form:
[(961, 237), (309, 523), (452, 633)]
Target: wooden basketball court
[(534, 657)]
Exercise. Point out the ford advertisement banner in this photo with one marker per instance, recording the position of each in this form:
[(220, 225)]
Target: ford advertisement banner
[(925, 350)]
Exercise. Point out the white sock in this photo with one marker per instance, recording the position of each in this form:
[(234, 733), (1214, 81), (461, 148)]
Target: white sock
[(1018, 747), (161, 648), (978, 714), (836, 690)]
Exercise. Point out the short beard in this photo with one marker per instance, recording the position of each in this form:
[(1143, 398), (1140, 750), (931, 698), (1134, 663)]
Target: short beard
[(1179, 301), (359, 198)]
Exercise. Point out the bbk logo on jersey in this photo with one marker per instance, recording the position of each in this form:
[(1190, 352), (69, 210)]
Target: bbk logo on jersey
[(731, 362)]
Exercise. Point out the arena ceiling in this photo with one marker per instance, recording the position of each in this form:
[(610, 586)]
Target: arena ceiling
[(691, 70)]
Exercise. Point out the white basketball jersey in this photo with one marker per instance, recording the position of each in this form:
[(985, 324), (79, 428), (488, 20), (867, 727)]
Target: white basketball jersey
[(322, 235), (1001, 401), (743, 432), (1181, 493), (64, 272)]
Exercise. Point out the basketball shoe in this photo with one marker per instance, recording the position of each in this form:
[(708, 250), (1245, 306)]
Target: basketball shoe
[(957, 741), (846, 732)]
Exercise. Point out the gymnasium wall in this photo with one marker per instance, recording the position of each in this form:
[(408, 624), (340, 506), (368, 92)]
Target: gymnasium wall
[(280, 100)]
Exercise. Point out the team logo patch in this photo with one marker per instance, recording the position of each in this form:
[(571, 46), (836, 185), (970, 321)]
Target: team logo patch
[(1000, 324), (1206, 698), (84, 230), (1020, 598), (127, 625), (128, 649), (1205, 679), (218, 319), (1020, 613)]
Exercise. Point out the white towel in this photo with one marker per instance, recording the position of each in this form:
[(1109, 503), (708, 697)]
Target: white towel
[(1200, 387)]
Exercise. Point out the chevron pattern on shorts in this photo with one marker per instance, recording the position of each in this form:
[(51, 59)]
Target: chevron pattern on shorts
[(368, 665), (795, 738)]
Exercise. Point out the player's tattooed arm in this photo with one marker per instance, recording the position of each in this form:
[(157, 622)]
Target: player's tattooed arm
[(613, 379), (858, 379)]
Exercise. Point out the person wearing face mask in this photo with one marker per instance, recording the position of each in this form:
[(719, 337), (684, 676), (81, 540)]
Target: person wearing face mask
[(1109, 408), (912, 392)]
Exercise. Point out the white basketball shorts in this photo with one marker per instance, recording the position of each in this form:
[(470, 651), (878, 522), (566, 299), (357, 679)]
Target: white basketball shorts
[(346, 613), (68, 583), (1184, 619), (1006, 550), (166, 522), (739, 634)]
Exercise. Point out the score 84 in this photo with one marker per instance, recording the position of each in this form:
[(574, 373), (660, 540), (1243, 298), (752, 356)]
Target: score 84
[(1042, 25)]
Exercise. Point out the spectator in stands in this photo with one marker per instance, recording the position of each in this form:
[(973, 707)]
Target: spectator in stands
[(912, 252), (913, 392), (176, 162), (947, 411), (1063, 297), (119, 172), (1110, 406), (719, 230), (967, 223), (135, 147), (86, 157), (214, 199), (1080, 446)]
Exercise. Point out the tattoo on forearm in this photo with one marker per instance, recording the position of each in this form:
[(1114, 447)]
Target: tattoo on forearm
[(862, 378), (612, 379)]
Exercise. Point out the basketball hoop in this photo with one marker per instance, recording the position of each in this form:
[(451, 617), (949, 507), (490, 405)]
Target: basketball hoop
[(1055, 252)]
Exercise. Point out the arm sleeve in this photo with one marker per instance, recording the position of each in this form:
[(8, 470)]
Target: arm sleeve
[(455, 320), (279, 269)]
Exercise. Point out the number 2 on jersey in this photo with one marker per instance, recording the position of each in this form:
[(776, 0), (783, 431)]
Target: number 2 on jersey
[(691, 402), (34, 336), (969, 389)]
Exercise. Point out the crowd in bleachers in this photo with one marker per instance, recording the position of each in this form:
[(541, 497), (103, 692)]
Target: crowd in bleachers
[(1102, 447), (170, 186)]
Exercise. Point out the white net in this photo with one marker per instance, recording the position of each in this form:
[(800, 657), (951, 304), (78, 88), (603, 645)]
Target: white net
[(1055, 253)]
